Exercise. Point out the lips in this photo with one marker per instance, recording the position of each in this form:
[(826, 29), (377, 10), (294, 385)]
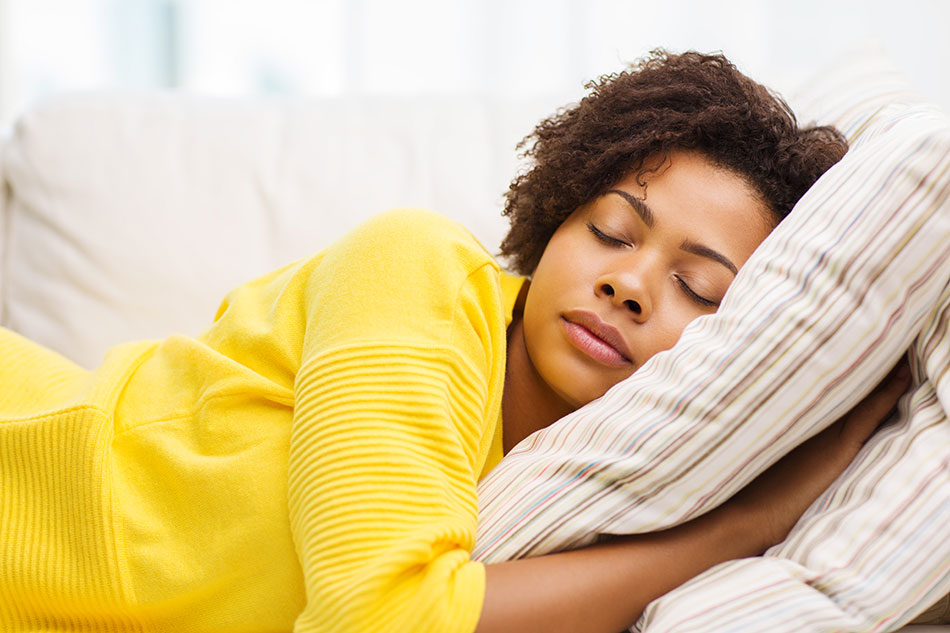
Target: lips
[(596, 338)]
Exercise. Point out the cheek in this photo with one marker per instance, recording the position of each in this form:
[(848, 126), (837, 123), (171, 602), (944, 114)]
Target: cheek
[(561, 248), (669, 327), (564, 266)]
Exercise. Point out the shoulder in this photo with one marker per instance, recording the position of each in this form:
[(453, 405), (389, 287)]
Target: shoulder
[(404, 275), (417, 219), (419, 237)]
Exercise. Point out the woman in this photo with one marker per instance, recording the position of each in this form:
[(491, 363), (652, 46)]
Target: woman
[(309, 461)]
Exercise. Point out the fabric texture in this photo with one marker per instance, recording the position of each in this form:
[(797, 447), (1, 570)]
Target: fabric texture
[(131, 214), (308, 462), (856, 275)]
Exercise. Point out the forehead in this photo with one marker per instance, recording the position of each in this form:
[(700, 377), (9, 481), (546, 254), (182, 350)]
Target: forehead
[(690, 196)]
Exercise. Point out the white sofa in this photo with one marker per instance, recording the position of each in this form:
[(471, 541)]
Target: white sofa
[(128, 216)]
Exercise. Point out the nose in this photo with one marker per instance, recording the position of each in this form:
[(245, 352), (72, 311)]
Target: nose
[(628, 286)]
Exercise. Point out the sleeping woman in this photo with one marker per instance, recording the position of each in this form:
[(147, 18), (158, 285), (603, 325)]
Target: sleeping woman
[(309, 462)]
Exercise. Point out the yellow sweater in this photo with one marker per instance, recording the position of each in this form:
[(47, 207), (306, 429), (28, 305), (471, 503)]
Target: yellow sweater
[(307, 463)]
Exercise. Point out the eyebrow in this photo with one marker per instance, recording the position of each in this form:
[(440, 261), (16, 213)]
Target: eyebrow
[(646, 214), (639, 206), (705, 251)]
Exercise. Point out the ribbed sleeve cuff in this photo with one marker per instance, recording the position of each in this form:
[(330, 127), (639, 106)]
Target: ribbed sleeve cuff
[(60, 562), (382, 489)]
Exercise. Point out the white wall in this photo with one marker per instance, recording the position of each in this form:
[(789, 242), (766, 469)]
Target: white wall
[(519, 47)]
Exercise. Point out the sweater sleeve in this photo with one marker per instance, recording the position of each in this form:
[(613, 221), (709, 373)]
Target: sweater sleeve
[(397, 394)]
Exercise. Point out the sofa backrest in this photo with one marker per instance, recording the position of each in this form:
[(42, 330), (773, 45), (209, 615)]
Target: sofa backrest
[(3, 217), (131, 215)]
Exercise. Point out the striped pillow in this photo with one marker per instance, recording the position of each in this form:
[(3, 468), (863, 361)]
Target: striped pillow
[(853, 277)]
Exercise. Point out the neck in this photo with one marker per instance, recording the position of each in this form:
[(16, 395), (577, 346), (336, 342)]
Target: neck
[(528, 404)]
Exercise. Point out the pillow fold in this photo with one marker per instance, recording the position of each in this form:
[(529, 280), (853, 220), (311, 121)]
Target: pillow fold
[(856, 275)]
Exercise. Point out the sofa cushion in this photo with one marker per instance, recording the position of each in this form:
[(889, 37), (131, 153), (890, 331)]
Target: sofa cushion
[(3, 218), (133, 214)]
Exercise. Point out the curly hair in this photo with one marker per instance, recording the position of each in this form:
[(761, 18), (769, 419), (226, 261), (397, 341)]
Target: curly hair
[(689, 101)]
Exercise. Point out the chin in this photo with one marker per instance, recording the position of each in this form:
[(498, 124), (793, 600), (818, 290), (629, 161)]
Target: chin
[(579, 397)]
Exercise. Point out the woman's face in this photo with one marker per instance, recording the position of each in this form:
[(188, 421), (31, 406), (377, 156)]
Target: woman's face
[(625, 273)]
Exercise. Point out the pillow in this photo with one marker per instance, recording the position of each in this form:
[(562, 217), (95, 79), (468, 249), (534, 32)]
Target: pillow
[(857, 272)]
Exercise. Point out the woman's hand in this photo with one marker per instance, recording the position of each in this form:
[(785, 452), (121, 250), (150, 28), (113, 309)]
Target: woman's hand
[(605, 587), (780, 495)]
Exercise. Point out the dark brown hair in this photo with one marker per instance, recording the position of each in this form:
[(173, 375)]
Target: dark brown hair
[(665, 101)]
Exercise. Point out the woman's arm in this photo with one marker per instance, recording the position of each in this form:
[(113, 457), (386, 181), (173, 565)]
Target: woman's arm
[(605, 587), (395, 402)]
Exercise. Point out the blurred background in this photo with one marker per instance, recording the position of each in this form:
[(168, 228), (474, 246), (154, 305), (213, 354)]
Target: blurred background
[(521, 48)]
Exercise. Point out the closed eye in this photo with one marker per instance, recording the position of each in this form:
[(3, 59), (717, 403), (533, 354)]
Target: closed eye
[(695, 297), (603, 237), (613, 241)]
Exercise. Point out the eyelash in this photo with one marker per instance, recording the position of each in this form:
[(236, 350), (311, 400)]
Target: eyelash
[(612, 241), (695, 297), (603, 237)]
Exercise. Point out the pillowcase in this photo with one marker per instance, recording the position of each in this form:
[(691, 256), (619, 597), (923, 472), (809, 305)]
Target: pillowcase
[(813, 321)]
